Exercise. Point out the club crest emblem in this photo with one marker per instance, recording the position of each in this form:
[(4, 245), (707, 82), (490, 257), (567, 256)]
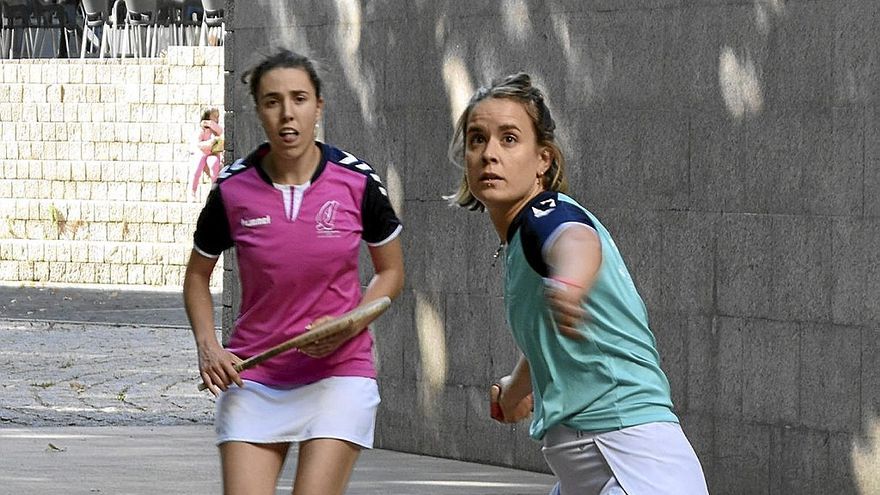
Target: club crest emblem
[(324, 220)]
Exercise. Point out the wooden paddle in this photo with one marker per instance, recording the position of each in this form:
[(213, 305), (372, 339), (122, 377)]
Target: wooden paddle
[(323, 330)]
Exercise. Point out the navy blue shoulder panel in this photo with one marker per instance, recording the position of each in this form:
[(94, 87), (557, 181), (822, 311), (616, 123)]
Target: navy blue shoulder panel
[(538, 221), (242, 164), (212, 235), (379, 219), (347, 160)]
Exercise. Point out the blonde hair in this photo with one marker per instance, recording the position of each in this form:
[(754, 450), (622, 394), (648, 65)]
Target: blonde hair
[(517, 87)]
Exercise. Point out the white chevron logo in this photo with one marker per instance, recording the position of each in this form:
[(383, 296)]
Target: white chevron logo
[(541, 213)]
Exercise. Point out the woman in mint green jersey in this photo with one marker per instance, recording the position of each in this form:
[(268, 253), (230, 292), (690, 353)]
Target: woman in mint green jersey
[(589, 368)]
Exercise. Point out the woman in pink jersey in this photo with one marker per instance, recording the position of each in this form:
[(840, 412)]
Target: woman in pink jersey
[(296, 211), (210, 140)]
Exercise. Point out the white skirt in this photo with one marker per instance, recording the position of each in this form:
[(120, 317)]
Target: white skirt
[(649, 459), (341, 407)]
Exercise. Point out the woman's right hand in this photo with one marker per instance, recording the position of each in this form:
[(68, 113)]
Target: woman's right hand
[(565, 301), (217, 367), (512, 408)]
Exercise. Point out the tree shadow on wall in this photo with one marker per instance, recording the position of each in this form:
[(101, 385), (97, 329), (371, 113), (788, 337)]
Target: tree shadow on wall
[(658, 109)]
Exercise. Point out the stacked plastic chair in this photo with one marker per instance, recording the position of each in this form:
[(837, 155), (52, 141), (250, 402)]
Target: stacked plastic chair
[(212, 23), (18, 39), (177, 17), (141, 28), (56, 16)]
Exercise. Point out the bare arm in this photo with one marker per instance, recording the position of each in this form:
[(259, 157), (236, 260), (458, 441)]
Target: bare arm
[(215, 127), (513, 393), (388, 266), (215, 363), (574, 260)]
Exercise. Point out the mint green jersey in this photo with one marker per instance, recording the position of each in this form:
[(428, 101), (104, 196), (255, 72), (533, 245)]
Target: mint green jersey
[(612, 378)]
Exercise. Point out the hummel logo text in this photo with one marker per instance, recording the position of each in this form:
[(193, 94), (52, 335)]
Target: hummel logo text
[(254, 222)]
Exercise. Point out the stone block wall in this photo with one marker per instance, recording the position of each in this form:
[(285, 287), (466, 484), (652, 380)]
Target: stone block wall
[(94, 167)]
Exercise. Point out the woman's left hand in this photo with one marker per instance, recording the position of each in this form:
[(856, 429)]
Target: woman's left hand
[(326, 346)]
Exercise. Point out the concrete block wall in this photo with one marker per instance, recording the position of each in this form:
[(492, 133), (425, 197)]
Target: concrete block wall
[(731, 147), (94, 167)]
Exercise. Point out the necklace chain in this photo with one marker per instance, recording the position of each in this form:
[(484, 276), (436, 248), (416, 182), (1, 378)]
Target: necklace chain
[(497, 253)]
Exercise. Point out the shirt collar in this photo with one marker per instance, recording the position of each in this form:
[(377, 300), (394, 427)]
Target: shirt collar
[(256, 157)]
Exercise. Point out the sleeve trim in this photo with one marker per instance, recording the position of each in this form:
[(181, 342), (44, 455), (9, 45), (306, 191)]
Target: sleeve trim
[(387, 239), (203, 253)]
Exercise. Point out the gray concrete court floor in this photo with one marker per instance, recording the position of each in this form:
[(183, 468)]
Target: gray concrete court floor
[(182, 460), (94, 305), (98, 395)]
